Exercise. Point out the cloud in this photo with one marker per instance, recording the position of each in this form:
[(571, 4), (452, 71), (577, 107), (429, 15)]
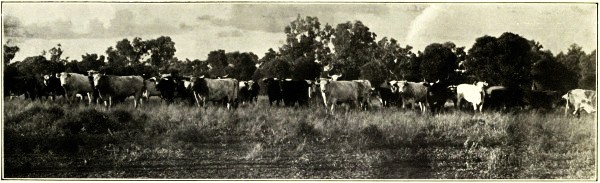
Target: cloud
[(274, 17), (555, 26), (233, 33)]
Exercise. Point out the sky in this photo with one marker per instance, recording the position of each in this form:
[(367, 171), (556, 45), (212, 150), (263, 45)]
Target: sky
[(198, 28)]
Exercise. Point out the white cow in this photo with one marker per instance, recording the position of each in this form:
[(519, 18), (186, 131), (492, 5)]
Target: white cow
[(474, 94)]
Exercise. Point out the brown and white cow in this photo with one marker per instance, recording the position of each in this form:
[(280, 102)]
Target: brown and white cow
[(580, 99)]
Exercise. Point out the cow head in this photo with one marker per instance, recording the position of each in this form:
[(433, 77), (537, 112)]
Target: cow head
[(481, 84), (98, 77), (46, 78), (335, 77), (250, 84), (63, 78), (393, 86), (323, 83)]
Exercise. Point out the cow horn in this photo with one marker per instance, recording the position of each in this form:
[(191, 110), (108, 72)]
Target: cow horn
[(202, 76)]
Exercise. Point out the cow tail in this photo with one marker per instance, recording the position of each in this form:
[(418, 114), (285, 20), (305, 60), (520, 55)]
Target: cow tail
[(567, 102)]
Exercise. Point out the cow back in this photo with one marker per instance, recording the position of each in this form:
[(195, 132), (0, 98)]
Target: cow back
[(76, 82), (341, 90)]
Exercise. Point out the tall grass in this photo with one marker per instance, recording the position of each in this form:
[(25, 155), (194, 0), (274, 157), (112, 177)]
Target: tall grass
[(455, 144)]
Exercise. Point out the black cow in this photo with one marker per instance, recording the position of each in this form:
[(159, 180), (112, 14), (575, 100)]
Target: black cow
[(503, 98), (386, 96), (30, 86), (273, 90), (172, 87), (249, 91), (542, 99), (437, 95), (52, 87), (295, 91)]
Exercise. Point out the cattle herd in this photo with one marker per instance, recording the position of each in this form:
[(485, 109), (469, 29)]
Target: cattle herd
[(101, 88)]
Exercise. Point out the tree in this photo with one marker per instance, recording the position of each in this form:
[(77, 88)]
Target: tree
[(375, 71), (439, 62), (91, 62), (9, 53), (579, 64), (55, 53), (276, 68), (241, 65), (354, 45), (501, 61), (306, 44), (162, 50), (392, 55), (588, 72), (549, 74), (38, 65), (410, 69), (217, 61)]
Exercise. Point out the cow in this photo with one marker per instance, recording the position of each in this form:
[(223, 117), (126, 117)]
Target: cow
[(205, 90), (313, 91), (542, 99), (171, 87), (580, 99), (475, 94), (273, 90), (248, 91), (150, 89), (52, 86), (411, 92), (364, 93), (118, 87), (75, 83), (338, 91), (30, 86), (386, 96), (438, 94), (295, 91), (503, 98)]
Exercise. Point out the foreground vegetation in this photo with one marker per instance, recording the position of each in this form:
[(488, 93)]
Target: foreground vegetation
[(47, 139)]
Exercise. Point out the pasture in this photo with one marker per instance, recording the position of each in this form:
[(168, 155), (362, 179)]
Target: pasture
[(54, 140)]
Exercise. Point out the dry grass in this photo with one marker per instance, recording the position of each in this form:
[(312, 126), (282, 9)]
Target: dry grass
[(293, 142)]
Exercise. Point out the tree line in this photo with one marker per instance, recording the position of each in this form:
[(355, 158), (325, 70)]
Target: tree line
[(312, 50)]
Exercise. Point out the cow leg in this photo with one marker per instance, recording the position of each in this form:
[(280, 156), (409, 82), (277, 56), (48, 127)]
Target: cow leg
[(89, 95), (197, 98)]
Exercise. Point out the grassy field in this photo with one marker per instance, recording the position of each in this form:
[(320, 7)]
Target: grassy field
[(52, 140)]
